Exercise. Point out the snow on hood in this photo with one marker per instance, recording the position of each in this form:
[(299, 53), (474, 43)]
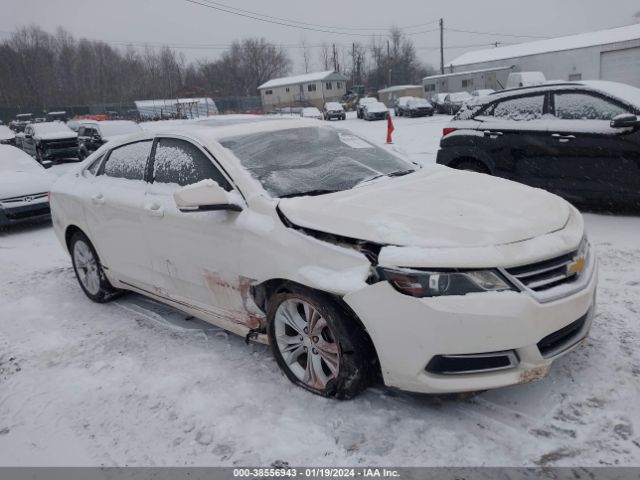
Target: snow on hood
[(15, 184), (6, 133), (376, 107), (61, 135), (433, 208)]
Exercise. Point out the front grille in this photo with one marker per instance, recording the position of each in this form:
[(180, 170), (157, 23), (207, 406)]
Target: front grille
[(562, 339), (24, 198), (547, 274), (22, 213), (60, 144)]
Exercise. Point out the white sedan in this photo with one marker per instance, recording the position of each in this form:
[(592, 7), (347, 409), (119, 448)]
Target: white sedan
[(348, 261), (24, 187)]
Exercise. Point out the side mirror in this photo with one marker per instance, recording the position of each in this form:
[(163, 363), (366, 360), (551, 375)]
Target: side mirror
[(206, 195), (625, 120)]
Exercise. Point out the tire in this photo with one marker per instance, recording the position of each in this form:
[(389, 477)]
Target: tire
[(81, 155), (88, 269), (471, 165), (39, 156), (339, 366)]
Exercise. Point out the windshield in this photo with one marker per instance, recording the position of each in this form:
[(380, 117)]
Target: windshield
[(312, 159), (418, 102), (51, 127), (109, 129)]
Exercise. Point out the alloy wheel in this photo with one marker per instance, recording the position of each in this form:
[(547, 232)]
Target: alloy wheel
[(87, 267), (306, 343)]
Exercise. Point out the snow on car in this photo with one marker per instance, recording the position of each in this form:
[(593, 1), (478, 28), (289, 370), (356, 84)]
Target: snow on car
[(375, 111), (334, 110), (50, 140), (24, 187), (342, 256), (311, 112), (362, 103), (418, 107), (7, 136)]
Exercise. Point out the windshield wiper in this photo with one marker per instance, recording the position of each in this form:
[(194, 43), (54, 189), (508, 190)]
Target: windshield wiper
[(397, 173), (310, 193)]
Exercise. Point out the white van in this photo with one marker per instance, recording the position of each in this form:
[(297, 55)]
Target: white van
[(525, 79)]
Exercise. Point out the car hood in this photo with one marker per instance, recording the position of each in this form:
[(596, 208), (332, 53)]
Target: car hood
[(56, 136), (15, 184), (435, 207)]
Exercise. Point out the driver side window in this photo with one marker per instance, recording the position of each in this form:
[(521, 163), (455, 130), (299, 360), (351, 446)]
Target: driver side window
[(180, 162)]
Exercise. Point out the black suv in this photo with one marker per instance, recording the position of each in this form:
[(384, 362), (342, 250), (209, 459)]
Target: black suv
[(580, 140)]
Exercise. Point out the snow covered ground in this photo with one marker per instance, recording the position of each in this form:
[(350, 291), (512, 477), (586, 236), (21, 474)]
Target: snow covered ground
[(133, 382)]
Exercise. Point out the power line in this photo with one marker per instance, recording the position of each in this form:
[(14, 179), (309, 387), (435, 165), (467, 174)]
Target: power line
[(494, 34), (285, 23), (288, 20)]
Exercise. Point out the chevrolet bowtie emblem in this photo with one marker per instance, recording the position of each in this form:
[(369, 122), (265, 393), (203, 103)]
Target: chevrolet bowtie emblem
[(576, 267)]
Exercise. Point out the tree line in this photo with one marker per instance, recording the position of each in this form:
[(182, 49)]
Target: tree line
[(40, 69)]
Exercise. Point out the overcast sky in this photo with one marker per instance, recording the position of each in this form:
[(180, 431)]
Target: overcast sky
[(180, 23)]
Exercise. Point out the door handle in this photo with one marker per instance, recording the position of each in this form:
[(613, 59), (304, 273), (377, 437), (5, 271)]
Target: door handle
[(492, 134), (563, 138), (98, 199), (154, 209)]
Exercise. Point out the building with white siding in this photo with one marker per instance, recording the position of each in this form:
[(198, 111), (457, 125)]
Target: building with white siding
[(612, 54), (303, 90)]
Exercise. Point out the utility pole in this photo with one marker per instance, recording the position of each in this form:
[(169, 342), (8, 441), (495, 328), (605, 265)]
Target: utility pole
[(442, 46), (335, 59), (353, 63)]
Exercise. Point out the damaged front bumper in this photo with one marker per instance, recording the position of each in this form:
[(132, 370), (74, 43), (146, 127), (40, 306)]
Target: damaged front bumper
[(471, 342)]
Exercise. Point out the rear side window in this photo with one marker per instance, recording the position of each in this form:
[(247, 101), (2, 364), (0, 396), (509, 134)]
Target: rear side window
[(95, 165), (180, 162), (519, 109), (581, 106), (128, 161)]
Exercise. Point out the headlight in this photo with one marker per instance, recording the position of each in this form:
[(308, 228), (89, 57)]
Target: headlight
[(434, 284)]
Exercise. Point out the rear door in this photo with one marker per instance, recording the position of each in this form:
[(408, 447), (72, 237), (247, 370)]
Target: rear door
[(115, 213), (195, 255), (28, 142), (514, 135), (592, 159)]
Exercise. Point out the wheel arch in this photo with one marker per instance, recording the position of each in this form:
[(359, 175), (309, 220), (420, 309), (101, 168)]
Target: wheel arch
[(264, 291), (459, 160), (69, 233)]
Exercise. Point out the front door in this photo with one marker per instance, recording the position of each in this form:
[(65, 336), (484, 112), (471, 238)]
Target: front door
[(195, 254)]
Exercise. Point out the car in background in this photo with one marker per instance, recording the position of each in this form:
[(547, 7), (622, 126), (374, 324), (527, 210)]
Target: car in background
[(580, 140), (59, 116), (7, 136), (333, 110), (92, 134), (525, 79), (49, 141), (418, 107), (400, 104), (453, 102), (21, 121), (437, 100), (311, 112), (375, 111), (310, 238), (482, 92), (24, 187), (362, 103)]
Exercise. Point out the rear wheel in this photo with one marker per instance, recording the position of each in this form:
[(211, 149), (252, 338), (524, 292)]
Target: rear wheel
[(316, 345), (89, 270)]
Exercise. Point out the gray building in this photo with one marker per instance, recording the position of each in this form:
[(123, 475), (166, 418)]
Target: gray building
[(494, 78), (612, 54), (315, 89)]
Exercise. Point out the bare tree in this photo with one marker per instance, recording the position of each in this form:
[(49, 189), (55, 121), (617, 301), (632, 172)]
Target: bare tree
[(325, 56), (306, 55)]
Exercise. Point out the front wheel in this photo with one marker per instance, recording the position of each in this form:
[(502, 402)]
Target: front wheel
[(472, 166), (89, 271), (316, 345)]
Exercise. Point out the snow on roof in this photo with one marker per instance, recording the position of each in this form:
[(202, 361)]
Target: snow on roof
[(469, 72), (582, 40), (397, 88), (306, 77), (172, 101)]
